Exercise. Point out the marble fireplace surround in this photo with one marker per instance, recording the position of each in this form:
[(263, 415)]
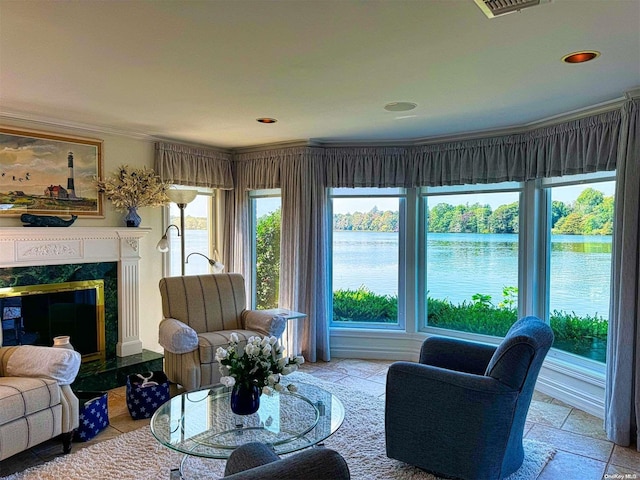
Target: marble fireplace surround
[(41, 246)]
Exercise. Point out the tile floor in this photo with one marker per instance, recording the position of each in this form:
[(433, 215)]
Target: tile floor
[(583, 452)]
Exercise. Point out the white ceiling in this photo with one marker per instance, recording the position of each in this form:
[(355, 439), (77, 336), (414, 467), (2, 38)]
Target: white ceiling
[(202, 71)]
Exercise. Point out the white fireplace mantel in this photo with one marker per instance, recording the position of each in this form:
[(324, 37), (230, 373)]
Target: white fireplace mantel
[(33, 246)]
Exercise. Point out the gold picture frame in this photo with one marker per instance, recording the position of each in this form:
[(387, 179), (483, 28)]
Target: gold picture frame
[(42, 173)]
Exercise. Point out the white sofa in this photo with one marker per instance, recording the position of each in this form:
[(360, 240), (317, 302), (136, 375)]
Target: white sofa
[(36, 401)]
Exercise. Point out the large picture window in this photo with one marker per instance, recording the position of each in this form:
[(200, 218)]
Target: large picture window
[(266, 225), (367, 255), (198, 235), (471, 250), (579, 234)]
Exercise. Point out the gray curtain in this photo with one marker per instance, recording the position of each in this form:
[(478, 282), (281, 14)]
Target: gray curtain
[(580, 146), (304, 286), (622, 400), (299, 174), (196, 167)]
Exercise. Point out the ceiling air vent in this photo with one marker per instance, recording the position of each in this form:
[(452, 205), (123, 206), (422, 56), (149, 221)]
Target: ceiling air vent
[(495, 8)]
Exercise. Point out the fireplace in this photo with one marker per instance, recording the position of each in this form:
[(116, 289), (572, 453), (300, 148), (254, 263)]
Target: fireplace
[(36, 314), (39, 256)]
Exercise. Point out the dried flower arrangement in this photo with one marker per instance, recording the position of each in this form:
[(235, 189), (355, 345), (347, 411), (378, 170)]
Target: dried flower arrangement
[(134, 187)]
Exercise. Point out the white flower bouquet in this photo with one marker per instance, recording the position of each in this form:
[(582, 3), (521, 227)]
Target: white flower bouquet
[(258, 363), (134, 187)]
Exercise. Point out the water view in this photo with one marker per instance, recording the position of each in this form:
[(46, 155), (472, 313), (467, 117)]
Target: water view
[(580, 278)]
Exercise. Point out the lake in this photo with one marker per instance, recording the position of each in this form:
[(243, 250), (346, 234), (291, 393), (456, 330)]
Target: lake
[(460, 265)]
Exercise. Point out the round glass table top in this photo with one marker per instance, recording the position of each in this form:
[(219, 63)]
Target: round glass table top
[(201, 422)]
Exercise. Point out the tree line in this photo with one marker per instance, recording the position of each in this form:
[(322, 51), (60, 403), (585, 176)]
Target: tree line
[(590, 214)]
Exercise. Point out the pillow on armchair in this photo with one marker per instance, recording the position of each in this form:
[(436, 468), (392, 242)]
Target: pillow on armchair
[(176, 336), (264, 322)]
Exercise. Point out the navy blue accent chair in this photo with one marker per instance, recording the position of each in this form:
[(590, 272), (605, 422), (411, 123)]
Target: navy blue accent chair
[(460, 411), (258, 461)]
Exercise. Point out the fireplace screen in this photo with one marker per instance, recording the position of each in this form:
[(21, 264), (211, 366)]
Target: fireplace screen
[(34, 314)]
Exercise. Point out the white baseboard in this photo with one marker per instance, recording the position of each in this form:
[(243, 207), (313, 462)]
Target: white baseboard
[(571, 384)]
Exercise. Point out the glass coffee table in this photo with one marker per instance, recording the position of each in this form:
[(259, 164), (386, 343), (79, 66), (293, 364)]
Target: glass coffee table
[(201, 423)]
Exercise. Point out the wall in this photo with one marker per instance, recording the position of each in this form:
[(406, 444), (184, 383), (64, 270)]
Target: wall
[(135, 152)]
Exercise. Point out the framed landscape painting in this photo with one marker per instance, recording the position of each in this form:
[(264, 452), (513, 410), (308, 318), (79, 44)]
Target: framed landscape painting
[(49, 174)]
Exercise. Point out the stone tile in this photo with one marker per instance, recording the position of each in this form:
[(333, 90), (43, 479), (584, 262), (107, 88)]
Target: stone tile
[(329, 375), (107, 434), (626, 457), (555, 401), (308, 367), (541, 397), (614, 472), (380, 377), (527, 426), (117, 403), (566, 465), (547, 413), (363, 384), (572, 442), (124, 423), (585, 424)]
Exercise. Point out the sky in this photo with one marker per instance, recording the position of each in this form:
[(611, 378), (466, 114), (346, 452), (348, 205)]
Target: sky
[(566, 194)]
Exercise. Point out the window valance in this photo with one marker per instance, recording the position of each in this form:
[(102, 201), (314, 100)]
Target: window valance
[(197, 167), (585, 145)]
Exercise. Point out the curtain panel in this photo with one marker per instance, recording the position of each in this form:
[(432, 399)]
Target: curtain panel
[(298, 173), (622, 395), (196, 167)]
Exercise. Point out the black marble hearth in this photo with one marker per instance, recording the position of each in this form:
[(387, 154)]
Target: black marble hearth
[(112, 373)]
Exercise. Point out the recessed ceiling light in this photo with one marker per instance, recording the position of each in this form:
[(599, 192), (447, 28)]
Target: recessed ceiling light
[(266, 120), (399, 106), (580, 57)]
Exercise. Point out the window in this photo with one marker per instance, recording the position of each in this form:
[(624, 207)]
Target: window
[(579, 234), (367, 258), (265, 222), (199, 220), (471, 251)]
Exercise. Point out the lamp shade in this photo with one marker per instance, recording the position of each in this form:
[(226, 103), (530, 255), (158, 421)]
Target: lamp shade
[(181, 196), (163, 244)]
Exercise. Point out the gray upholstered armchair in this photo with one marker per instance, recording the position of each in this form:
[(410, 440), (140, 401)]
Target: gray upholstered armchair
[(460, 411), (199, 314), (257, 461)]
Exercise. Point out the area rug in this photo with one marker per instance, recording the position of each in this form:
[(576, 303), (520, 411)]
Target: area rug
[(360, 439)]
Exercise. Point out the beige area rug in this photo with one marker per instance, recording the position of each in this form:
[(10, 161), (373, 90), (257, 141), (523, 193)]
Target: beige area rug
[(360, 439)]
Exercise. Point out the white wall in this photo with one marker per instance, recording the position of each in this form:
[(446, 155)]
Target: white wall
[(118, 150)]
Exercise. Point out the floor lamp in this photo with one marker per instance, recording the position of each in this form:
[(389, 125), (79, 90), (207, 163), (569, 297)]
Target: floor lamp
[(216, 266), (181, 198)]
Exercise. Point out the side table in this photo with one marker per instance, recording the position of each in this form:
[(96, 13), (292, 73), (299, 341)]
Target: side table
[(294, 321)]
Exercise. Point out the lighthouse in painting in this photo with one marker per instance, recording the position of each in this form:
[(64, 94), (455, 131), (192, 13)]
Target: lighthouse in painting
[(70, 188)]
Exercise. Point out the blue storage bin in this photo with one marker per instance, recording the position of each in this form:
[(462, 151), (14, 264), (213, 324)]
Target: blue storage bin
[(145, 393), (94, 415)]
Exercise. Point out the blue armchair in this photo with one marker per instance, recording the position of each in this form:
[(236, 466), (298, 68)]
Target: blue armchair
[(257, 461), (460, 411)]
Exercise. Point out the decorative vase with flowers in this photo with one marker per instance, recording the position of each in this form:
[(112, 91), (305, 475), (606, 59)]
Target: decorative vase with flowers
[(131, 188), (254, 369)]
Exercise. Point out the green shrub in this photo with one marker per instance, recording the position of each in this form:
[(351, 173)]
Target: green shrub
[(585, 336), (362, 305)]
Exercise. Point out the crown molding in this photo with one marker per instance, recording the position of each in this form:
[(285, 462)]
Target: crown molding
[(634, 93), (57, 123), (328, 143)]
